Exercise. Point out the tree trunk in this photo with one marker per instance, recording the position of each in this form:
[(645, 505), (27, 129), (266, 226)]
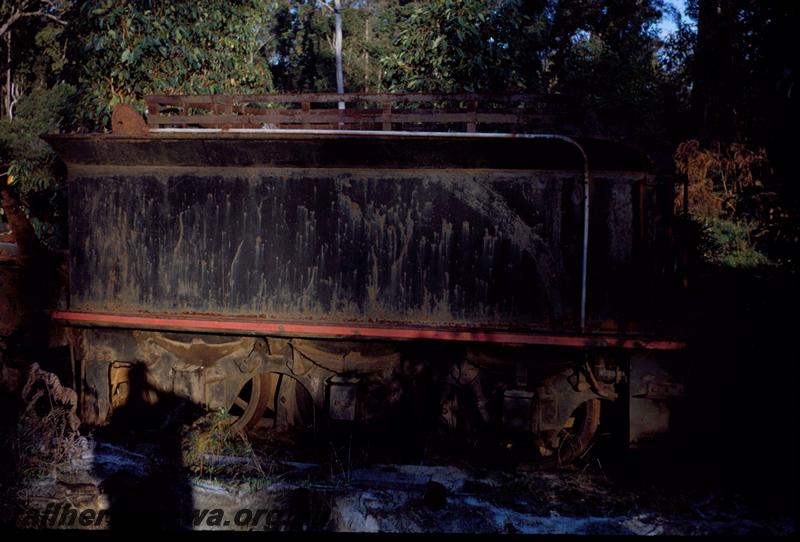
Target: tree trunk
[(713, 99), (337, 44), (9, 96), (366, 55)]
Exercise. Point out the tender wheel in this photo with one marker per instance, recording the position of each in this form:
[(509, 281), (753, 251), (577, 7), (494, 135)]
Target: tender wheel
[(575, 438), (284, 403), (293, 405), (250, 403)]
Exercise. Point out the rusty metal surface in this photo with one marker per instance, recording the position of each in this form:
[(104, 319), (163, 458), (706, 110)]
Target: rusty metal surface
[(166, 363), (301, 150), (655, 386), (342, 398), (125, 120), (341, 246), (357, 229), (288, 148), (277, 329)]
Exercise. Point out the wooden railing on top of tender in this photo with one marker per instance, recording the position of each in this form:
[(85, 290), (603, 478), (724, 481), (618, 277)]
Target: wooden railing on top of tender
[(433, 112)]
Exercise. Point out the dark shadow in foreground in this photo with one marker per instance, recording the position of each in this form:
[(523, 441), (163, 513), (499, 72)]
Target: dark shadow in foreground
[(154, 494)]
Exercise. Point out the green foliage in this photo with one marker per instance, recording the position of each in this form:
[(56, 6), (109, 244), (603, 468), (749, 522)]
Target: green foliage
[(33, 165), (368, 29), (299, 43), (37, 53), (131, 48), (212, 436), (38, 113), (743, 68), (676, 59), (607, 53), (728, 243), (465, 45), (300, 58), (727, 199)]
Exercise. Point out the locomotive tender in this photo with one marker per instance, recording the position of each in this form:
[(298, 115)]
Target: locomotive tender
[(276, 255)]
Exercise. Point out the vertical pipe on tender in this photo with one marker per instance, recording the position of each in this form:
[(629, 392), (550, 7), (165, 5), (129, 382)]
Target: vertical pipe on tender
[(585, 250), (585, 254)]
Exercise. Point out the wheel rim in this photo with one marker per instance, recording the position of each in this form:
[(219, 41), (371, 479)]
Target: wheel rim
[(576, 437), (250, 403)]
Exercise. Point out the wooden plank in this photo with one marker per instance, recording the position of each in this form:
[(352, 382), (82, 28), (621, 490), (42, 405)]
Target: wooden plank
[(386, 117), (306, 110), (473, 109), (366, 110)]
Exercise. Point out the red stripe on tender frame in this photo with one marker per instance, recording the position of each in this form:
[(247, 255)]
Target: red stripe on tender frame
[(359, 331)]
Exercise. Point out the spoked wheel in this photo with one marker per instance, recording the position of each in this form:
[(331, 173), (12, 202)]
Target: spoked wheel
[(286, 404), (250, 403), (574, 439)]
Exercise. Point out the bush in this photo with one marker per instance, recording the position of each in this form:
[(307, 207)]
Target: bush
[(727, 243), (729, 201), (38, 176)]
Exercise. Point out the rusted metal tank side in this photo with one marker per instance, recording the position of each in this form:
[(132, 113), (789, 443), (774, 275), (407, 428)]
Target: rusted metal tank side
[(437, 230)]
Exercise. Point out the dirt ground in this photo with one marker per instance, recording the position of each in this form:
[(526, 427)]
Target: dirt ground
[(280, 481)]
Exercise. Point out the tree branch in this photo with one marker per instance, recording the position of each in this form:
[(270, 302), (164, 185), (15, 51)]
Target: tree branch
[(11, 20), (53, 17), (41, 12)]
